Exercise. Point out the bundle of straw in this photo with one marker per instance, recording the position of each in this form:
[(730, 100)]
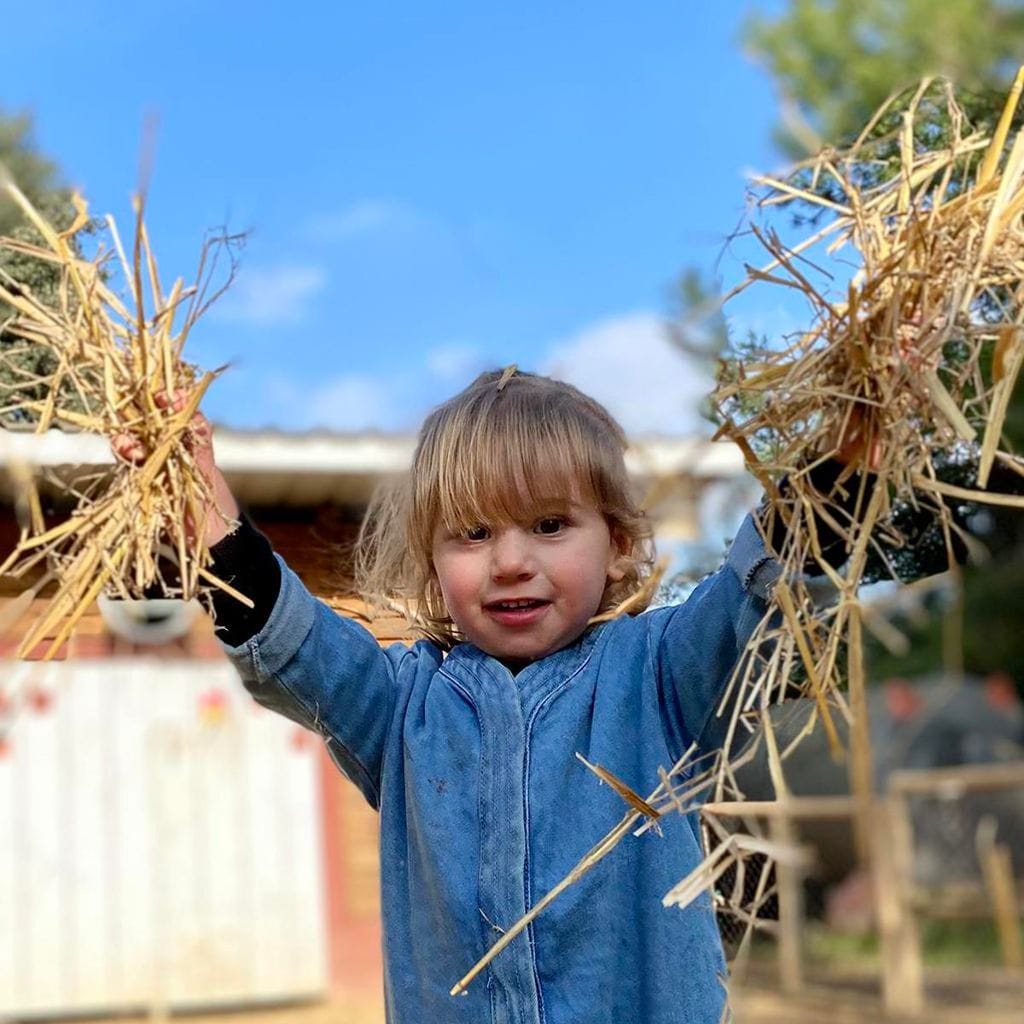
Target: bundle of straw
[(918, 357), (117, 371)]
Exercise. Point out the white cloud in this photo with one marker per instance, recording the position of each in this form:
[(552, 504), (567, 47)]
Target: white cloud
[(394, 400), (359, 218), (629, 364), (456, 363), (351, 402), (269, 296), (775, 322)]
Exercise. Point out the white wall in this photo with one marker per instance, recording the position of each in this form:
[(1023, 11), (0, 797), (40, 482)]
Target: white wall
[(159, 842)]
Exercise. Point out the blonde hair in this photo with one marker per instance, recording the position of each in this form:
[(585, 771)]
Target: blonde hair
[(510, 443)]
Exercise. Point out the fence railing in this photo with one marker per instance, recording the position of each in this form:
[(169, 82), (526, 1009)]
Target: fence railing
[(958, 815)]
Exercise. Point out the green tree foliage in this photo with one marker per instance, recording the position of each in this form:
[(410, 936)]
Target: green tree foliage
[(38, 178), (835, 62)]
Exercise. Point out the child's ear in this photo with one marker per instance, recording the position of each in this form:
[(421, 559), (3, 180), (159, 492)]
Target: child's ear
[(620, 556)]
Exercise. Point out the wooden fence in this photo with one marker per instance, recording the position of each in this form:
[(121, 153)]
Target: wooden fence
[(900, 902)]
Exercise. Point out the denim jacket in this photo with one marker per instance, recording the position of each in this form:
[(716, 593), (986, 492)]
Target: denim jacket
[(484, 806)]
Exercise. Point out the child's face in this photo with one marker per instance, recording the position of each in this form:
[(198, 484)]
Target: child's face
[(523, 590)]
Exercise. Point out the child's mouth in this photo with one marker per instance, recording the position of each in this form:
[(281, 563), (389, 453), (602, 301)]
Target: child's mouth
[(520, 612)]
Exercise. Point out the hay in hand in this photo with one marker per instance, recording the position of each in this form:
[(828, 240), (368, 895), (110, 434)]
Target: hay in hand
[(912, 367), (114, 338), (915, 362)]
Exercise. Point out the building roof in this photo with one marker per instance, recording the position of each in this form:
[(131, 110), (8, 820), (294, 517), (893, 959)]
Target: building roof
[(302, 469)]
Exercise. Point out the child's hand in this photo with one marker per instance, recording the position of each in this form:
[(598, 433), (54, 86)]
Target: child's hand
[(858, 445), (199, 439)]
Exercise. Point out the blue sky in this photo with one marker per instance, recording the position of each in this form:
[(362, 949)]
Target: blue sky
[(430, 188)]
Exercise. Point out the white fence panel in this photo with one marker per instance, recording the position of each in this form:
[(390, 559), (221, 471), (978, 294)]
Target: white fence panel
[(159, 842)]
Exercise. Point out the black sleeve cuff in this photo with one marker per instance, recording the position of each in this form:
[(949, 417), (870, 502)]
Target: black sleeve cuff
[(824, 478), (246, 560)]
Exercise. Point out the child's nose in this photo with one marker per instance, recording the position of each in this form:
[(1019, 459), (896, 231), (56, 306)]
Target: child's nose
[(511, 558)]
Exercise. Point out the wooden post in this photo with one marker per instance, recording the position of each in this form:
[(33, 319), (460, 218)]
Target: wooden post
[(861, 768), (787, 875), (953, 629), (791, 907), (893, 872), (997, 867), (958, 779)]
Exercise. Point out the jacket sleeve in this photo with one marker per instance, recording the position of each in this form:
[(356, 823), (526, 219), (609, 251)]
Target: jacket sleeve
[(697, 644), (327, 673), (245, 560)]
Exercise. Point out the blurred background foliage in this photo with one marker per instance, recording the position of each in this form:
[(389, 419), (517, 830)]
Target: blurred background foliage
[(834, 62), (40, 180)]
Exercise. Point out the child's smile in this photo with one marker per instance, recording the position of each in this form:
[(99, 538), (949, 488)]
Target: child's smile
[(522, 612), (520, 591)]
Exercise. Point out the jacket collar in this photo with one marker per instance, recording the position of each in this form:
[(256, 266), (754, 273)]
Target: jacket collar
[(468, 664)]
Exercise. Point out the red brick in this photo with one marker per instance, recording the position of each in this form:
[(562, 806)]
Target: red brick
[(206, 648), (86, 646), (39, 651)]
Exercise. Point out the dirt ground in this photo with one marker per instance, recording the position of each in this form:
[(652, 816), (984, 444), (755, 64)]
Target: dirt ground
[(833, 997), (953, 997), (332, 1012)]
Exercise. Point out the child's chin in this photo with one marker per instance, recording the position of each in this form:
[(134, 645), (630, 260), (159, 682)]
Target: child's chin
[(518, 656), (524, 653)]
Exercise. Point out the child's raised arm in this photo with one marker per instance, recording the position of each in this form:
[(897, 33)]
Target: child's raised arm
[(294, 654), (298, 657), (700, 641)]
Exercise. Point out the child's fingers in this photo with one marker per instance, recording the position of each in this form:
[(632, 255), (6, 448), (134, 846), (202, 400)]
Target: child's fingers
[(221, 507), (175, 400), (201, 431), (128, 447), (199, 439), (859, 443)]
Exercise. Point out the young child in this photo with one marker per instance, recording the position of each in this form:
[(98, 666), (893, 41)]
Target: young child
[(514, 528)]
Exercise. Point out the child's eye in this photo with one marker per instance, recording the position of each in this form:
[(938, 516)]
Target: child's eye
[(476, 533), (551, 525)]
